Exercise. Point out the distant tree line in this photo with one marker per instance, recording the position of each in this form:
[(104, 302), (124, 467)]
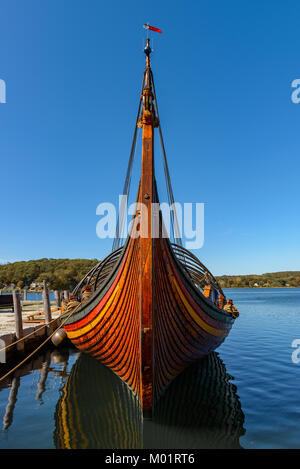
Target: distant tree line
[(271, 280), (60, 274)]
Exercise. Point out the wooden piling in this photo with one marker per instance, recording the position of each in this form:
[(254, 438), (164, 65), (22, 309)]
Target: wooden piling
[(18, 320), (57, 298), (66, 295), (25, 295), (46, 303)]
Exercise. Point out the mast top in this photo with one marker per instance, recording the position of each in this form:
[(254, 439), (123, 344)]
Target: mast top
[(147, 51)]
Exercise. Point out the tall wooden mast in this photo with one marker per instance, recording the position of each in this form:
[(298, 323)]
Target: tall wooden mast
[(146, 195)]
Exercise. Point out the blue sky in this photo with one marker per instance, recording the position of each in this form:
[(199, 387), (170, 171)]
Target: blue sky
[(223, 73)]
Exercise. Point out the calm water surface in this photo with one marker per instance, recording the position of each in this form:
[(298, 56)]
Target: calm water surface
[(34, 296), (245, 395)]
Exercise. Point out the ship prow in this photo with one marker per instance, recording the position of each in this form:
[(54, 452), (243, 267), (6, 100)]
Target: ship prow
[(150, 308)]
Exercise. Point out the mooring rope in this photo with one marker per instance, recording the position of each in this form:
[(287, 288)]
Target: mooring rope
[(39, 347), (28, 335)]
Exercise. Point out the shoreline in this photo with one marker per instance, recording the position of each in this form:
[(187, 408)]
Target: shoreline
[(260, 288)]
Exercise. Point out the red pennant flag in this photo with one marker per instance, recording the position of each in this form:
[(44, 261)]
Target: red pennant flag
[(147, 26)]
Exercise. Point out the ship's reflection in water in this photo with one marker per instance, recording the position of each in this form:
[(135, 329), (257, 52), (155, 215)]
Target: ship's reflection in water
[(200, 409)]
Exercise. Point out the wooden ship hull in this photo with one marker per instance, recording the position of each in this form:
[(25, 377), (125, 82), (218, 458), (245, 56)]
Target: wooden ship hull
[(154, 308)]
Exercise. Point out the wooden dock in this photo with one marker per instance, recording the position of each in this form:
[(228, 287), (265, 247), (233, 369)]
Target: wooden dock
[(30, 323)]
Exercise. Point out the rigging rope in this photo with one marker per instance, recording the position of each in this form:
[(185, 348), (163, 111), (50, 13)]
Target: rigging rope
[(178, 238), (126, 189), (176, 233)]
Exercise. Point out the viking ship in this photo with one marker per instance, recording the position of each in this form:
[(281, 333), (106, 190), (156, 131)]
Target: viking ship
[(150, 308), (97, 410)]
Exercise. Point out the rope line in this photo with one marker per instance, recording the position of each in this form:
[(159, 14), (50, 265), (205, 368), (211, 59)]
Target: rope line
[(28, 335), (126, 188), (175, 231), (178, 240), (39, 347)]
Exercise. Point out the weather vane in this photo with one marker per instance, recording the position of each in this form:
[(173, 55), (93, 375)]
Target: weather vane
[(152, 28)]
